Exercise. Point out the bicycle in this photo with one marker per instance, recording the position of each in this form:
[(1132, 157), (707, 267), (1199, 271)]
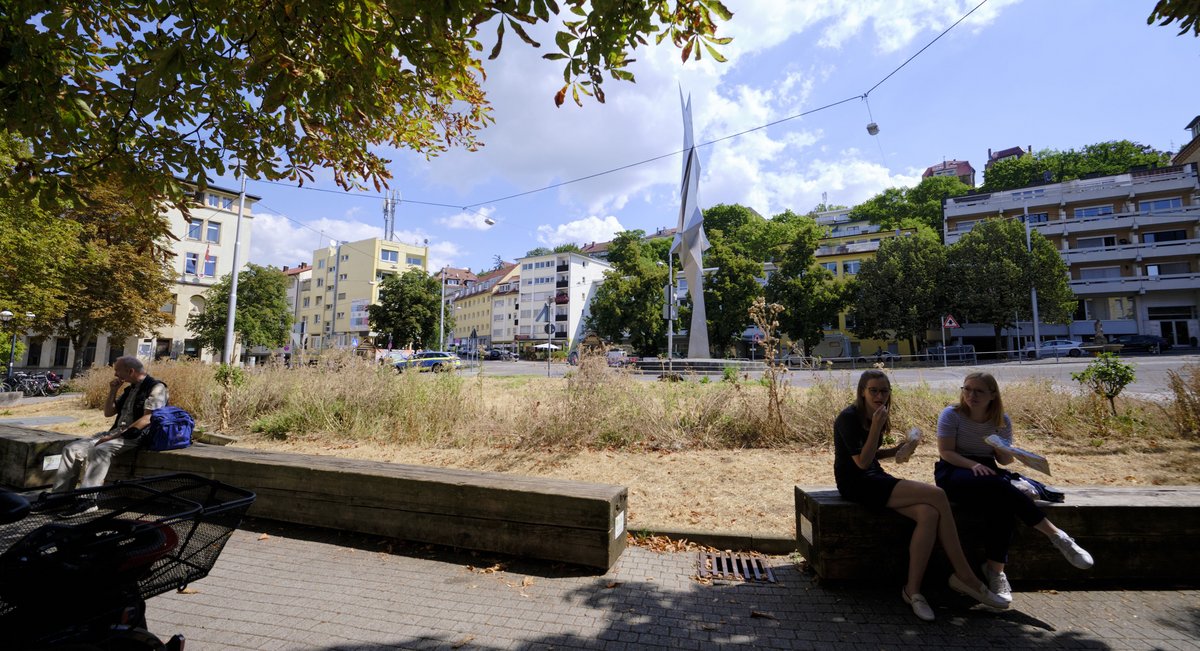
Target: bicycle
[(133, 540)]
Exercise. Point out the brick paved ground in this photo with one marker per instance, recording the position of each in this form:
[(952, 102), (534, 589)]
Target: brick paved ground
[(290, 588)]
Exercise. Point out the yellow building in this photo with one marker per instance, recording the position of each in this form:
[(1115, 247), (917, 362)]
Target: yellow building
[(345, 280), (473, 310), (849, 242)]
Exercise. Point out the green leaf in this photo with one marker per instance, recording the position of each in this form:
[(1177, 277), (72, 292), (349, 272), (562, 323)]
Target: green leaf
[(564, 40), (712, 52), (718, 8), (524, 37), (499, 41)]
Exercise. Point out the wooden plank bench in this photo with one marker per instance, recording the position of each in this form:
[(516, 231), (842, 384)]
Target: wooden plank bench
[(548, 519), (1134, 534)]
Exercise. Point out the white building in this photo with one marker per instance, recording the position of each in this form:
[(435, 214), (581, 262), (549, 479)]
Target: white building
[(556, 291)]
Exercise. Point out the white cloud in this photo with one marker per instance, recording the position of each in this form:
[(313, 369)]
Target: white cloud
[(475, 219), (580, 231)]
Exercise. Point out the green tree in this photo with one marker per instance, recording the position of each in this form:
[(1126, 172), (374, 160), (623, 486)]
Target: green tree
[(262, 317), (34, 245), (1104, 158), (729, 291), (151, 91), (902, 291), (1107, 376), (809, 293), (409, 309), (541, 250), (990, 273), (121, 275), (1185, 12), (569, 247), (911, 208), (629, 304)]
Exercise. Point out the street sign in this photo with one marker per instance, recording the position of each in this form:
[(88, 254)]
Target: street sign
[(354, 342), (549, 328), (949, 322)]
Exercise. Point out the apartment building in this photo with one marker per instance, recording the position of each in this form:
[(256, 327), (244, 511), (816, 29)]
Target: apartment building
[(1190, 153), (959, 169), (473, 310), (203, 246), (848, 242), (1130, 241), (556, 290), (346, 277), (506, 302), (299, 281)]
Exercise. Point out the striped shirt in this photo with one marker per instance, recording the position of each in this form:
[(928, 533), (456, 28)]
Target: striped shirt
[(968, 435)]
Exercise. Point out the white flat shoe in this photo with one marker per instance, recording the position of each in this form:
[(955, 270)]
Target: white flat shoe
[(919, 605)]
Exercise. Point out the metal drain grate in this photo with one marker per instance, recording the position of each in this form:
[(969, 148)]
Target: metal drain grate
[(728, 565)]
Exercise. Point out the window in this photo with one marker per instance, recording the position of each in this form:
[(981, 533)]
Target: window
[(190, 263), (62, 347), (341, 296), (964, 227), (1093, 211), (415, 261), (1171, 312), (1120, 308), (831, 266), (1099, 273), (210, 266), (389, 256), (318, 301), (320, 283), (1167, 269), (317, 318), (195, 226), (320, 264), (169, 306), (1160, 205), (34, 356), (1095, 242), (217, 201), (851, 266), (345, 257), (1164, 236), (341, 315), (341, 276), (1038, 218)]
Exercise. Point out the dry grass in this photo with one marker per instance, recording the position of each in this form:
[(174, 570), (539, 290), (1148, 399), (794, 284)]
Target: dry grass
[(690, 452)]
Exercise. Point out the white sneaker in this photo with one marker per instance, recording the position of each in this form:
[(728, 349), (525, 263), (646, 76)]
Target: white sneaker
[(919, 605), (998, 583), (1074, 554), (980, 594)]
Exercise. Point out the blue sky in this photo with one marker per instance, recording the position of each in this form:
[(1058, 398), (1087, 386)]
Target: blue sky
[(1048, 74)]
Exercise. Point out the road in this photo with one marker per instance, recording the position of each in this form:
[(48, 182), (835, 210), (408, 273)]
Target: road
[(1151, 370)]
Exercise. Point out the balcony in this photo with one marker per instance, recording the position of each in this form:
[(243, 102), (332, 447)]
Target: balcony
[(562, 283), (1119, 222), (1135, 284), (840, 249), (1132, 252), (561, 298), (562, 267), (561, 317)]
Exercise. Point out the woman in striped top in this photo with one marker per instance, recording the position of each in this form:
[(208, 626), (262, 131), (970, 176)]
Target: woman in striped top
[(967, 471)]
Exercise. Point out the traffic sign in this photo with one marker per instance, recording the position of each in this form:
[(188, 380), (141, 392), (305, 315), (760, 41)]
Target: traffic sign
[(949, 322)]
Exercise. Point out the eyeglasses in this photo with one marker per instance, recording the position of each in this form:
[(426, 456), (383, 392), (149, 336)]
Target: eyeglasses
[(878, 392), (978, 393)]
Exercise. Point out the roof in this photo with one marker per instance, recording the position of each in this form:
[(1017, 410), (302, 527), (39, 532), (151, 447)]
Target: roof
[(1195, 122), (457, 274), (1005, 153), (498, 271), (292, 271), (960, 167)]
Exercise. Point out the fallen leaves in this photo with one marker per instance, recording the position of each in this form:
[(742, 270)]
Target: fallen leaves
[(263, 536), (498, 567), (664, 544)]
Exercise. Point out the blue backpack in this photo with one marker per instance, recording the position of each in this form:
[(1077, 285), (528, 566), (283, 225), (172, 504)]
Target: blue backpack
[(170, 429)]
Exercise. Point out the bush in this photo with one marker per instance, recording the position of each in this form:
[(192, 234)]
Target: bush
[(1107, 376)]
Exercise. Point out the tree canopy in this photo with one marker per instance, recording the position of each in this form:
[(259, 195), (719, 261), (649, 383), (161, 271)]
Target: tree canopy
[(146, 92), (1185, 12), (1112, 157), (911, 208), (409, 309), (809, 293), (991, 272), (729, 291), (262, 319), (903, 290)]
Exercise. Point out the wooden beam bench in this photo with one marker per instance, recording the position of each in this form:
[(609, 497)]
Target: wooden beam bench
[(1144, 535), (547, 519)]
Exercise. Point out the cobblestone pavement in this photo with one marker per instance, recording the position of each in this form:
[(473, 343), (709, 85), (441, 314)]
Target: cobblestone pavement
[(278, 587)]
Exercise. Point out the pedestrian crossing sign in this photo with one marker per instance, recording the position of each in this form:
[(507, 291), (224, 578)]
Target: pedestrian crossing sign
[(949, 322)]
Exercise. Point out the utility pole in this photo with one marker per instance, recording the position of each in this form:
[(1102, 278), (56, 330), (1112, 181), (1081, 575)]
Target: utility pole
[(227, 354), (1037, 338)]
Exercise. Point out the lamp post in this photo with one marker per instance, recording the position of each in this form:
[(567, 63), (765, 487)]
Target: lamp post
[(442, 318), (7, 316), (1037, 339)]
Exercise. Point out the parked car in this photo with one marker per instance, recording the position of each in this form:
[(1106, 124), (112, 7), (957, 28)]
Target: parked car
[(1152, 344), (881, 355), (619, 358), (430, 360), (497, 354), (1056, 348)]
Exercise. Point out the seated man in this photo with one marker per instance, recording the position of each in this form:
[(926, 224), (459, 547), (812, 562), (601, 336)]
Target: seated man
[(132, 409)]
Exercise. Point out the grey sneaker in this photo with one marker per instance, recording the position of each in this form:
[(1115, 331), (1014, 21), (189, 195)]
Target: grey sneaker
[(1074, 554), (980, 593), (998, 583)]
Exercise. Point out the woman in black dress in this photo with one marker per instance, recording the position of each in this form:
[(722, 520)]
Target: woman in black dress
[(856, 434)]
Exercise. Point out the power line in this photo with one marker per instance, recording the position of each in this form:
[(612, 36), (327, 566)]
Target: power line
[(471, 206)]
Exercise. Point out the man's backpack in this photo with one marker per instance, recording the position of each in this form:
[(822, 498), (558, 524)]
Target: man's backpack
[(170, 429)]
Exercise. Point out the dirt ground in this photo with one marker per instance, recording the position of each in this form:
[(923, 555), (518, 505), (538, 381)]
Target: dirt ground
[(727, 491)]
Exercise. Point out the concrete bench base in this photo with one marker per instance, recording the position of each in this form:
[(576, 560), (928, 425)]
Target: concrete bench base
[(1134, 534), (547, 519)]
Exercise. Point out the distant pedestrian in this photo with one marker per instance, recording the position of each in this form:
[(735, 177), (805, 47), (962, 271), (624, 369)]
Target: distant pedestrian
[(857, 433), (967, 471)]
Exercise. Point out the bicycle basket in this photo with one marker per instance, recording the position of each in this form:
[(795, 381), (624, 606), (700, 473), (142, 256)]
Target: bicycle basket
[(146, 536)]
